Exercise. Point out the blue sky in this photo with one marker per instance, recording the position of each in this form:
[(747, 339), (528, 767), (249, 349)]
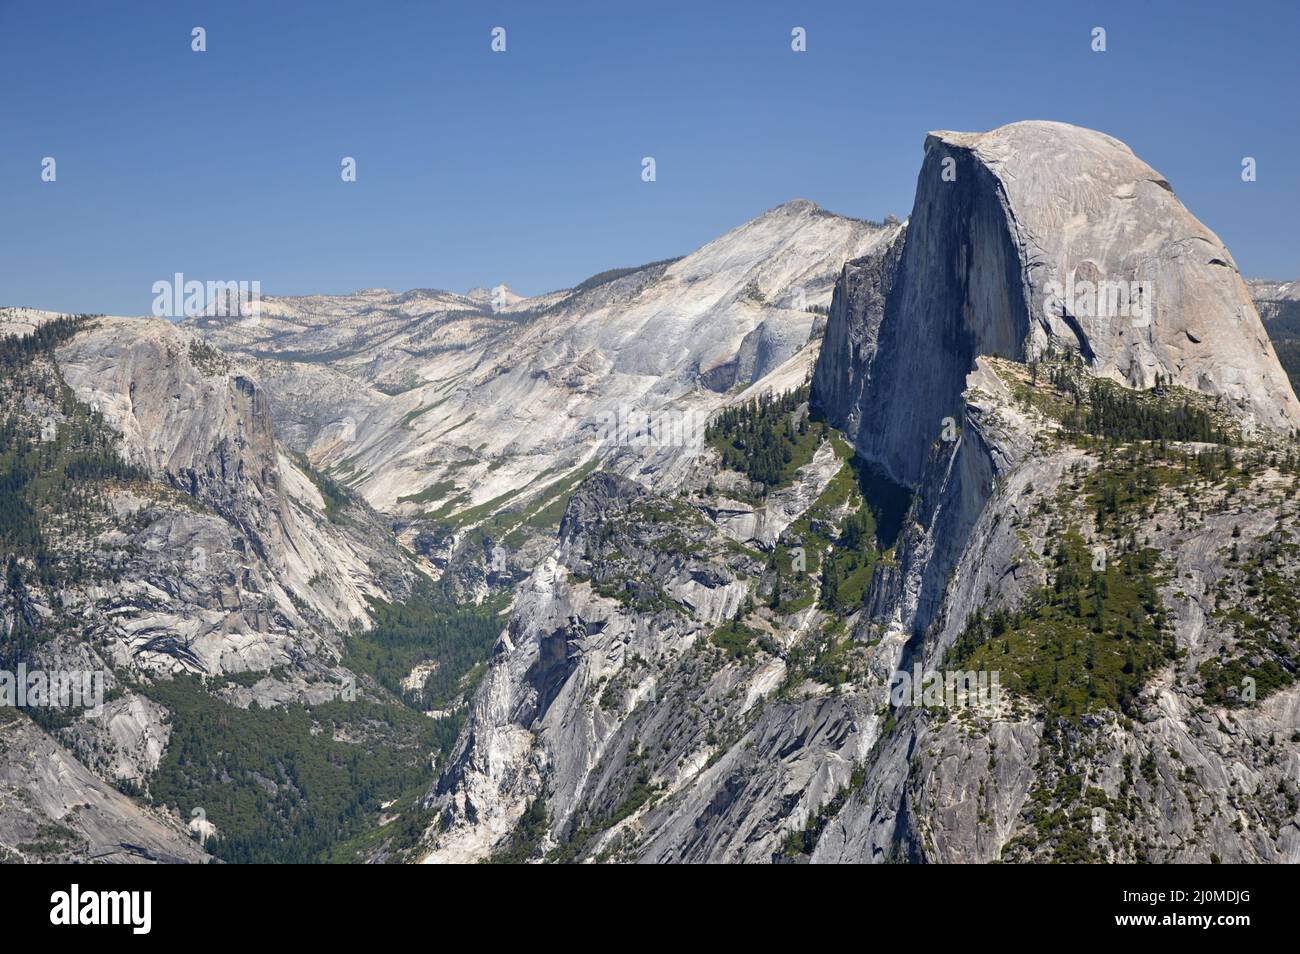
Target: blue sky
[(475, 167)]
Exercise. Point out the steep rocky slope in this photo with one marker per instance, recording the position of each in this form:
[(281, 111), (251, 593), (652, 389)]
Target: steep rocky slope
[(1279, 308), (53, 809), (1027, 499), (650, 698), (199, 423), (470, 406), (1096, 508), (155, 531)]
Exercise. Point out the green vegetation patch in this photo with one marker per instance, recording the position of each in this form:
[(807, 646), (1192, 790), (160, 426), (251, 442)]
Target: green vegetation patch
[(435, 491), (335, 497), (1092, 408), (844, 548), (208, 359), (1083, 643), (1259, 603), (767, 439), (427, 629), (286, 784), (735, 639)]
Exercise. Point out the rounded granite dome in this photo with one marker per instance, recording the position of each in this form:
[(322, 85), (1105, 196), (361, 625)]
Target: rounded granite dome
[(1112, 260)]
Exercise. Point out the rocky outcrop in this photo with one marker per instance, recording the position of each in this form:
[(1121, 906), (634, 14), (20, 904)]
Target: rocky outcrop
[(1080, 207), (611, 706), (917, 366), (622, 596), (1007, 228), (490, 404), (126, 743), (1174, 780), (256, 524), (53, 809)]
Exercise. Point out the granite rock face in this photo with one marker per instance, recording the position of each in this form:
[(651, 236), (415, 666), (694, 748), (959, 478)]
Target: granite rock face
[(948, 328), (606, 730), (1079, 206), (484, 401), (54, 809), (1007, 228), (265, 573)]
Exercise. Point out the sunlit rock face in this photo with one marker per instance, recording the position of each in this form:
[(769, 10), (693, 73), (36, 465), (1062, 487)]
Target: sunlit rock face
[(483, 396), (1037, 239), (1039, 235)]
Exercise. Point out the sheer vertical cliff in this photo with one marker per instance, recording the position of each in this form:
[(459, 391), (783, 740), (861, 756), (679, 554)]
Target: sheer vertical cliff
[(1005, 223), (1062, 368), (1040, 261)]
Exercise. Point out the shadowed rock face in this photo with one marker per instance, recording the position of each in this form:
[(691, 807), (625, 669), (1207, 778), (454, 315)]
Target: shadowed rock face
[(1032, 236), (1079, 205), (911, 338), (955, 293)]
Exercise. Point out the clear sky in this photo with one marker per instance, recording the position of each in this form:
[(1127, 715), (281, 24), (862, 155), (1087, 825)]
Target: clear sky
[(476, 167)]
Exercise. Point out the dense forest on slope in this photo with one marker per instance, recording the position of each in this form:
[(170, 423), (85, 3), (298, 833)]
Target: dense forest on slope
[(766, 439), (1120, 415), (52, 447), (1090, 638), (300, 783), (287, 784), (428, 629), (1101, 408)]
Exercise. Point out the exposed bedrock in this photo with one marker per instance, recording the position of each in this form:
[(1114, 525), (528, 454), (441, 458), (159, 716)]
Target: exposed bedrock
[(1006, 229), (1032, 238), (1033, 234)]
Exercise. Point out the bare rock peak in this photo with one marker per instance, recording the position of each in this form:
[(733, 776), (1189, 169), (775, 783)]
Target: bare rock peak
[(1086, 216)]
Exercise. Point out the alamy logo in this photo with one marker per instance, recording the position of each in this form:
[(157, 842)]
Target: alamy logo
[(186, 299), (664, 428), (60, 689), (948, 689), (1104, 298), (134, 908)]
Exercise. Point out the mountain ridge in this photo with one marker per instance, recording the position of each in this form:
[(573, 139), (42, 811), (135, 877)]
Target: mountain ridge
[(942, 319), (694, 654)]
